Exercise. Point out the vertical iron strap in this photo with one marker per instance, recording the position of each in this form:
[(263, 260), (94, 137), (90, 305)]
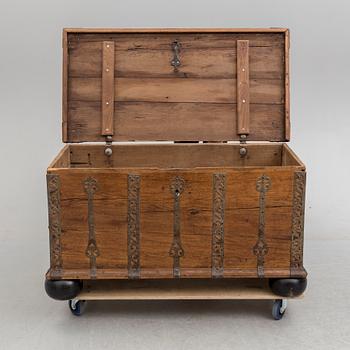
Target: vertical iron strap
[(260, 249), (133, 226), (54, 209), (92, 252), (176, 250), (217, 261), (298, 222)]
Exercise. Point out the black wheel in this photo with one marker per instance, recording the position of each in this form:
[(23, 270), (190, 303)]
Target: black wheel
[(288, 287), (278, 309), (77, 307), (63, 289)]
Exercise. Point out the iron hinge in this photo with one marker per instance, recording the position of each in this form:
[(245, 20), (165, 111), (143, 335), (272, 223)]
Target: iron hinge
[(243, 141), (108, 148)]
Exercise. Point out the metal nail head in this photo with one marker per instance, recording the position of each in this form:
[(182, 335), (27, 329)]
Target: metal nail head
[(108, 151), (243, 151)]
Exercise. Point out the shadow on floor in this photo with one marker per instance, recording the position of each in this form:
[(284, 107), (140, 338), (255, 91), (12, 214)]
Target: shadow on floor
[(179, 308)]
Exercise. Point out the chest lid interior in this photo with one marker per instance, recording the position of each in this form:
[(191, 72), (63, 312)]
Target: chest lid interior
[(175, 85)]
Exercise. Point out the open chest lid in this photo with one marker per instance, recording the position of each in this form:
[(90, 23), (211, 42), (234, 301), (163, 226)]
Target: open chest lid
[(175, 85)]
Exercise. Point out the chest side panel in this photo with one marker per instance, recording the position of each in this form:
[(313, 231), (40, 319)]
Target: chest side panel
[(175, 85)]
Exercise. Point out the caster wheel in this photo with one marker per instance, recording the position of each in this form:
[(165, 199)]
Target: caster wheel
[(288, 287), (77, 307), (278, 309)]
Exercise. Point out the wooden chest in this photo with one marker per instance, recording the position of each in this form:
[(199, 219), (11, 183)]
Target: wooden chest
[(225, 200)]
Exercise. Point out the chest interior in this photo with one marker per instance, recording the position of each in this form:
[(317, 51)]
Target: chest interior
[(177, 156)]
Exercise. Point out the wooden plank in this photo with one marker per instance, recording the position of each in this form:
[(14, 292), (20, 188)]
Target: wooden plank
[(122, 273), (160, 211), (287, 87), (107, 88), (189, 90), (109, 225), (65, 69), (244, 182), (243, 93), (176, 156), (62, 160), (290, 158), (177, 290), (175, 30), (265, 62), (175, 121), (162, 41)]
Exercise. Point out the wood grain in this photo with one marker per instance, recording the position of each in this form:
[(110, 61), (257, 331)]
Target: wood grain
[(174, 30), (265, 62), (156, 215), (174, 156), (62, 160), (65, 68), (160, 40), (177, 290), (176, 90), (290, 157), (174, 121), (287, 86), (207, 75)]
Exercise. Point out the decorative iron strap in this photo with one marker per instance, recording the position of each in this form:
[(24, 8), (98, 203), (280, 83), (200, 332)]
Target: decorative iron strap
[(134, 226), (176, 251), (217, 259), (260, 249), (298, 222), (54, 208), (92, 252), (175, 62)]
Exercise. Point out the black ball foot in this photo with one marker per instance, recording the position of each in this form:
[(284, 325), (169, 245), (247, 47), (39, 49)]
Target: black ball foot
[(288, 287), (63, 289)]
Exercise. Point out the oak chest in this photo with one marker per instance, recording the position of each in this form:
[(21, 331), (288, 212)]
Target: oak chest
[(222, 196)]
